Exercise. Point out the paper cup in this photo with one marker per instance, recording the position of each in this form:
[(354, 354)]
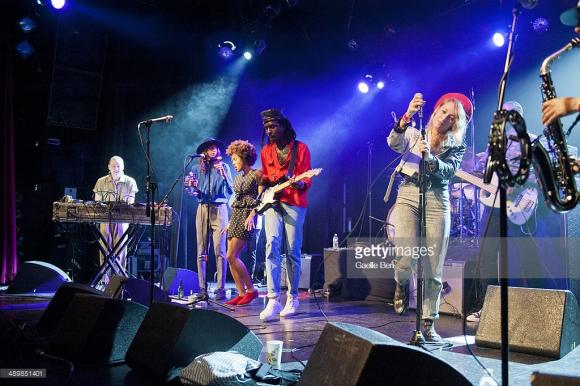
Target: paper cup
[(274, 353)]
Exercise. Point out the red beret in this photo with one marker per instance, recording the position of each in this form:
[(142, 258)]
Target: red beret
[(467, 105)]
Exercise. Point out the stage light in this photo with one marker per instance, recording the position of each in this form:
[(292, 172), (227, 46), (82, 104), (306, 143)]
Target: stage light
[(24, 49), (26, 24), (226, 49), (58, 4), (363, 87), (248, 55), (540, 25), (498, 39), (380, 85)]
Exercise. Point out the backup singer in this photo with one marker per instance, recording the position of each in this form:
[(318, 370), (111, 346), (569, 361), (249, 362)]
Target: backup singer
[(283, 224), (115, 187), (213, 203), (444, 146), (241, 227)]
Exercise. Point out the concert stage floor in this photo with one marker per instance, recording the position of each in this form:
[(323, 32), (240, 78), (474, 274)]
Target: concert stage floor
[(301, 333)]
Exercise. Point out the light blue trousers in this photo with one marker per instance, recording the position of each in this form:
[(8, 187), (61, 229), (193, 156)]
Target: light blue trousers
[(405, 218), (279, 227)]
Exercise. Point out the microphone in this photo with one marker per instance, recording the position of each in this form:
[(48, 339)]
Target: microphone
[(196, 155), (166, 118)]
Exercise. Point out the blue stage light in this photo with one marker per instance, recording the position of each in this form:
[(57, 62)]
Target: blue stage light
[(25, 49), (226, 49), (26, 24), (363, 87), (58, 4), (248, 55), (498, 39)]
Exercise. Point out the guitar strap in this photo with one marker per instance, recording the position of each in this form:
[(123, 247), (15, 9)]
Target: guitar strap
[(293, 157)]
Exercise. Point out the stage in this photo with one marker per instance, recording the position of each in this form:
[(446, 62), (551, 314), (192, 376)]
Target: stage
[(301, 334)]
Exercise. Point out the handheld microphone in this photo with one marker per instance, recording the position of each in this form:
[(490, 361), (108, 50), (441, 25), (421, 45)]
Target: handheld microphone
[(196, 155), (166, 118)]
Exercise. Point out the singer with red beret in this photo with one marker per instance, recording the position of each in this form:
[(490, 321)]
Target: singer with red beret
[(210, 180), (442, 147)]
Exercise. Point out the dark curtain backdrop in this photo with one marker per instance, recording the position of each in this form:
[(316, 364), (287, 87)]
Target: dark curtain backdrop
[(9, 256)]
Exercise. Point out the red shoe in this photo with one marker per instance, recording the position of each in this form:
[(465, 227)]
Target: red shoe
[(248, 297), (234, 301)]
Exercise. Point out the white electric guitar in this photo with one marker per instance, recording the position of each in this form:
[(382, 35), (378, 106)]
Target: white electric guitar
[(268, 197), (519, 210)]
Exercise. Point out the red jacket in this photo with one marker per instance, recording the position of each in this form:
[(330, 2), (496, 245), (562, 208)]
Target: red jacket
[(272, 171)]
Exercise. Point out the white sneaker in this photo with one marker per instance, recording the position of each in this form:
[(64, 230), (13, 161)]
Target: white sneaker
[(474, 317), (272, 311), (290, 307)]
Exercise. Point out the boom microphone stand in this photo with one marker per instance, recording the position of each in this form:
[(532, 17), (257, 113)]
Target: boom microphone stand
[(418, 339), (503, 258), (205, 297), (151, 187)]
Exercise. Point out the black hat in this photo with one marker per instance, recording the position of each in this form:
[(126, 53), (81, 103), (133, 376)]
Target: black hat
[(571, 16), (207, 143), (272, 115)]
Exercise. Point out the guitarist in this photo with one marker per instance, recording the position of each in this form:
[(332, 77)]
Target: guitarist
[(283, 157), (541, 232)]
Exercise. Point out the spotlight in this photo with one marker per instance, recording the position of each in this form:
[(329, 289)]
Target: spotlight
[(26, 24), (540, 25), (58, 4), (380, 85), (363, 87), (498, 39), (248, 55), (226, 49), (25, 49)]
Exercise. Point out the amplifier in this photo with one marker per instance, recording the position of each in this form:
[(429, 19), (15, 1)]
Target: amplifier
[(309, 269)]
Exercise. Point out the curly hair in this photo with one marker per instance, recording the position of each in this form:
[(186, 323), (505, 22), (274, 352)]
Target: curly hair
[(244, 149)]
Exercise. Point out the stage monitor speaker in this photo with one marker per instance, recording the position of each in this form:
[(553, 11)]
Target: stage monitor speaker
[(96, 330), (173, 276), (37, 277), (547, 379), (349, 355), (542, 322), (136, 290), (55, 311), (171, 336)]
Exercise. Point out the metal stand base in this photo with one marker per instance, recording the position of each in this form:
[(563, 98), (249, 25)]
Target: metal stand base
[(205, 298), (417, 339)]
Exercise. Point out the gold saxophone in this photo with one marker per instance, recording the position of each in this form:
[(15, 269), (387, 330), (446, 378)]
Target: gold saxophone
[(555, 174)]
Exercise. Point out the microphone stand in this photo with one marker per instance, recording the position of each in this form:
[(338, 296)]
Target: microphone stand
[(150, 187), (205, 297), (502, 254), (418, 339)]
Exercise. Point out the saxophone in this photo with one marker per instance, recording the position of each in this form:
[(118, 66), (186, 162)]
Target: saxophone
[(555, 174)]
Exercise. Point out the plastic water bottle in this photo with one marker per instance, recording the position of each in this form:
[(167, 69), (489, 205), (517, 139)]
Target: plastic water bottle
[(487, 379), (335, 241)]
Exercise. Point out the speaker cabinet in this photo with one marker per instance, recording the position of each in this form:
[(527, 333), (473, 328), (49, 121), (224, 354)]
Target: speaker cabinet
[(349, 355), (173, 276), (542, 322), (55, 311), (136, 290), (96, 330), (37, 277), (171, 336)]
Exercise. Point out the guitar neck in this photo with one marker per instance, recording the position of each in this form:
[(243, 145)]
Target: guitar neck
[(490, 188), (286, 184)]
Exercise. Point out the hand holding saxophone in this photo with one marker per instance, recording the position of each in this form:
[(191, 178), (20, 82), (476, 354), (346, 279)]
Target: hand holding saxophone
[(559, 107)]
